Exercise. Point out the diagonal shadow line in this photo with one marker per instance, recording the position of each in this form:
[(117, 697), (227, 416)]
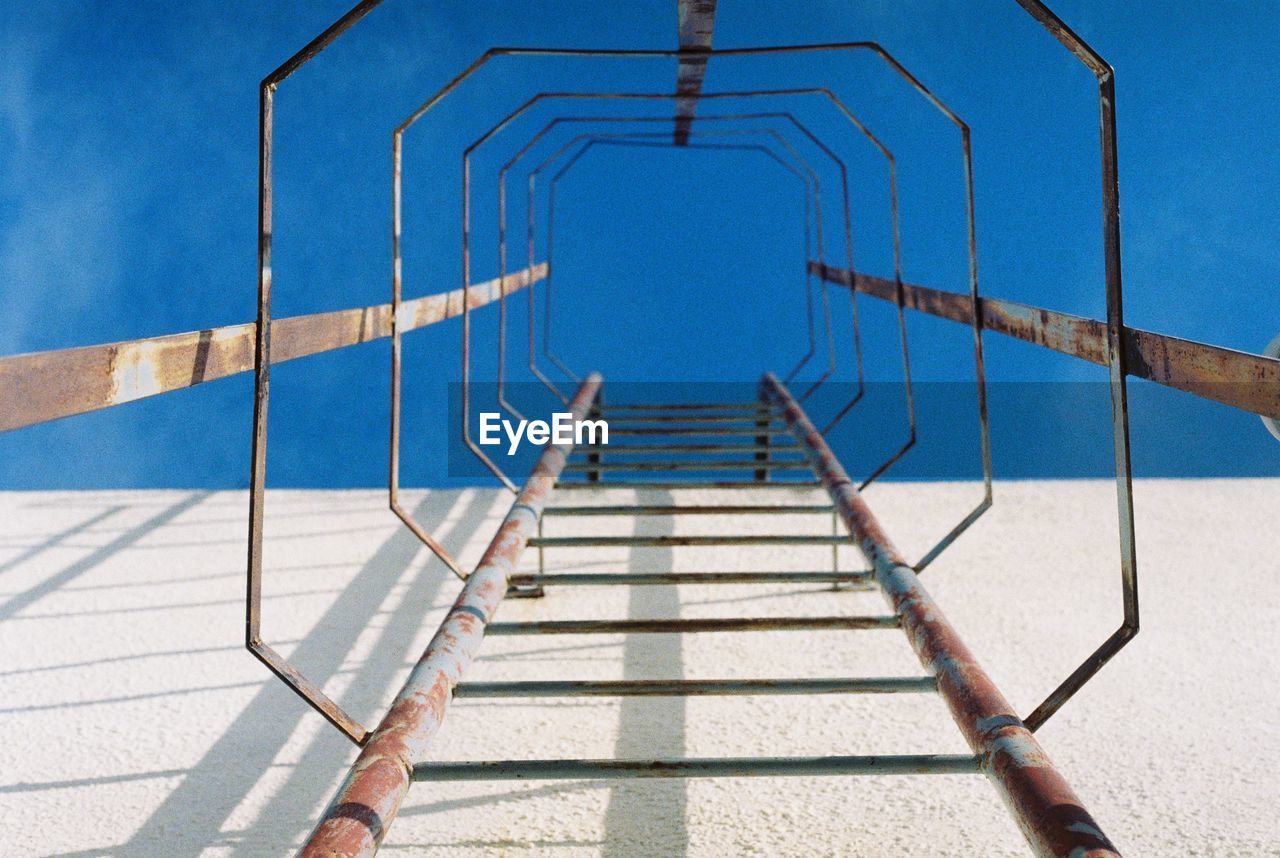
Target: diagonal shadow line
[(647, 817), (75, 570), (76, 783), (234, 764), (172, 606), (126, 698), (57, 538), (310, 781), (141, 656)]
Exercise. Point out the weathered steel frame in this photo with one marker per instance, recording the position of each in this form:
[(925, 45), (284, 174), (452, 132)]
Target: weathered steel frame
[(979, 364), (810, 207), (848, 115), (813, 187), (466, 256), (50, 385), (1051, 816), (530, 224), (848, 224), (369, 797)]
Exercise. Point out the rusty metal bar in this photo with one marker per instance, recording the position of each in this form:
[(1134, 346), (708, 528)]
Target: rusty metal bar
[(42, 386), (695, 419), (1051, 816), (691, 484), (736, 509), (713, 767), (366, 803), (690, 449), (1250, 382), (704, 432), (659, 579), (690, 465), (695, 687), (695, 27), (686, 406), (681, 626), (676, 541)]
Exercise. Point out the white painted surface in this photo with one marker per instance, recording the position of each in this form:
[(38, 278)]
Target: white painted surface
[(135, 724)]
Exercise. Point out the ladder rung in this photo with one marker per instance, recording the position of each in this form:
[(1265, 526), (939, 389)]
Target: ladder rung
[(629, 449), (697, 419), (712, 767), (667, 540), (697, 687), (655, 579), (712, 465), (735, 509), (716, 624), (685, 406), (690, 484), (709, 431)]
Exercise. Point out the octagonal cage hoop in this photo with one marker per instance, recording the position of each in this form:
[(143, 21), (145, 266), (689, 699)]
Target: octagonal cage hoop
[(502, 229), (891, 161), (979, 364), (812, 189), (1115, 331), (530, 225), (832, 361), (602, 138)]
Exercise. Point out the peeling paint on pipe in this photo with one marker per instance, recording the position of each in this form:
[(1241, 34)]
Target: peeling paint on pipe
[(367, 802)]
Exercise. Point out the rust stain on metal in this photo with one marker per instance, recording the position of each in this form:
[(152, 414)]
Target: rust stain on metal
[(1050, 815), (1250, 382), (43, 386), (370, 796)]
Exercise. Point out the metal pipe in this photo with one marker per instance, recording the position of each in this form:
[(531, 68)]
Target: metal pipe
[(686, 448), (710, 431), (692, 419), (695, 687), (735, 509), (1051, 816), (691, 484), (674, 541), (714, 767), (686, 406), (366, 803), (713, 624), (655, 579), (689, 465)]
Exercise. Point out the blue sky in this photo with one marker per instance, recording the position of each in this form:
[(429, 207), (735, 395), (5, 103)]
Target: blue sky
[(128, 191)]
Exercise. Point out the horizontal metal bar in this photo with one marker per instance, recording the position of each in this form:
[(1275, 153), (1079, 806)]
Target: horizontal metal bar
[(685, 406), (640, 449), (713, 767), (709, 432), (696, 687), (725, 509), (1242, 380), (695, 465), (43, 386), (690, 484), (694, 419), (667, 540), (654, 579), (679, 626)]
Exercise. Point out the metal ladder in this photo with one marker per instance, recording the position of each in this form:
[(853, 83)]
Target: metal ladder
[(666, 428), (396, 754)]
